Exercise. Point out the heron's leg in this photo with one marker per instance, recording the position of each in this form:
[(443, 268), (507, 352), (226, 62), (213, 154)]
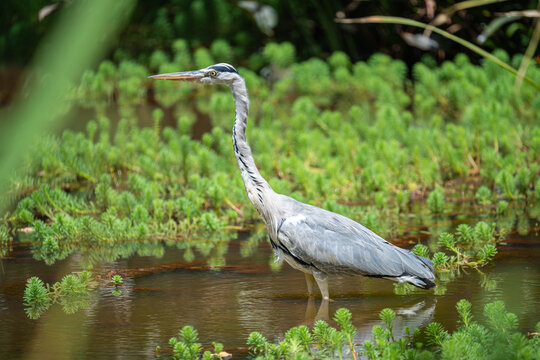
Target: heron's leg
[(310, 280), (322, 281)]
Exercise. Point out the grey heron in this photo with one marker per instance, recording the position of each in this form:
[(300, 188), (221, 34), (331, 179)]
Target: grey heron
[(310, 239)]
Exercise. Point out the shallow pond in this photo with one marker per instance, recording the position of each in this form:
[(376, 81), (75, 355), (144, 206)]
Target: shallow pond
[(162, 294)]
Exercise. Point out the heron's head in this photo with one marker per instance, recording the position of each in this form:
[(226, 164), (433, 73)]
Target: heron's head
[(215, 74)]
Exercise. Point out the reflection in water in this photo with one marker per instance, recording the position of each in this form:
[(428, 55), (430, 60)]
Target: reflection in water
[(212, 247), (415, 316), (313, 315)]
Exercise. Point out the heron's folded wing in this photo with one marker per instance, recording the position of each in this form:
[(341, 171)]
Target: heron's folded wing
[(335, 244)]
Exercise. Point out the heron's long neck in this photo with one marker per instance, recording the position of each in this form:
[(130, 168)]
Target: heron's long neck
[(256, 185)]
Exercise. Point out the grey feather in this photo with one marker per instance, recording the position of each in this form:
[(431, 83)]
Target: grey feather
[(335, 244)]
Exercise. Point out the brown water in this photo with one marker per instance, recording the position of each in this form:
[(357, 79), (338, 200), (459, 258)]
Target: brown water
[(162, 294)]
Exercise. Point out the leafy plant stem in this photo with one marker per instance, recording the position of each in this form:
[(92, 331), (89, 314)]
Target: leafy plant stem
[(529, 53)]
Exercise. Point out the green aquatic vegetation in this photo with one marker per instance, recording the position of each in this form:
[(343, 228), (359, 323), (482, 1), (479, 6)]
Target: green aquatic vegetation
[(449, 149), (506, 184), (36, 297), (5, 239), (322, 341), (281, 55), (359, 138), (470, 247), (497, 339), (92, 202), (483, 195), (187, 347), (493, 337), (435, 201), (72, 293), (502, 206), (117, 280)]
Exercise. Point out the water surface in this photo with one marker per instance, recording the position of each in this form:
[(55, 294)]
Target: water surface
[(162, 294)]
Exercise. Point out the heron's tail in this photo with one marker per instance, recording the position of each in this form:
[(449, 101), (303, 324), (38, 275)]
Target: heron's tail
[(422, 283), (422, 279)]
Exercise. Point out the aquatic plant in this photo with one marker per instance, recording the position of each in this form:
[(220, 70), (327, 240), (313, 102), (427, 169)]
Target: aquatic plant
[(470, 247), (380, 150), (494, 338), (117, 280), (5, 239), (72, 293), (186, 347), (435, 201), (483, 195), (36, 297)]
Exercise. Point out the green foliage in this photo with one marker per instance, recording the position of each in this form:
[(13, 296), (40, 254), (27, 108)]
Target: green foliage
[(472, 247), (282, 55), (72, 293), (502, 206), (483, 195), (496, 339), (185, 346), (464, 310), (387, 316), (469, 247), (435, 201), (257, 343), (117, 279), (391, 158), (506, 184), (36, 297), (440, 260), (5, 239), (435, 334), (421, 250)]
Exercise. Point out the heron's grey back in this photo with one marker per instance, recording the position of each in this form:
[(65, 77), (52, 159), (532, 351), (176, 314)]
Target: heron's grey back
[(335, 244)]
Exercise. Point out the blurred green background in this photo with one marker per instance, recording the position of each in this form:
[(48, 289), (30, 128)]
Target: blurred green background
[(248, 25)]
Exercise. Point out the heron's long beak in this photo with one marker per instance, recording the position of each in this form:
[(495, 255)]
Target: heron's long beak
[(191, 76)]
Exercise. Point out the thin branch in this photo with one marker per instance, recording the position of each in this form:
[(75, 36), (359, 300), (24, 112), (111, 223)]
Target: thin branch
[(529, 53), (465, 43)]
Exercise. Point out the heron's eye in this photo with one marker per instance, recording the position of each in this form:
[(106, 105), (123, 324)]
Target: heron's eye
[(213, 73)]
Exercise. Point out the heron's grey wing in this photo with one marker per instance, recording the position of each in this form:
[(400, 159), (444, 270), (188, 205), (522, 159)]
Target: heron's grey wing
[(333, 243)]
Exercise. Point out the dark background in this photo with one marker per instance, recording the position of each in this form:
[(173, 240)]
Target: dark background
[(309, 25)]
